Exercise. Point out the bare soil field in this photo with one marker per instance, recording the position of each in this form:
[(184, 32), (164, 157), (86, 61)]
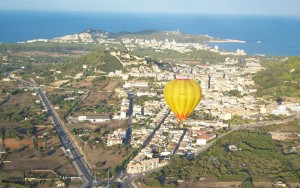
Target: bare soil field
[(83, 83), (283, 136), (52, 158), (14, 143), (105, 125), (95, 97), (58, 164), (40, 173), (9, 85), (102, 157), (11, 174), (291, 99), (212, 184), (100, 92), (112, 85), (215, 184), (24, 99), (99, 156), (51, 54), (52, 144)]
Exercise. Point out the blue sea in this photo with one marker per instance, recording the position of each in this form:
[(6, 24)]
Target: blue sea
[(270, 35)]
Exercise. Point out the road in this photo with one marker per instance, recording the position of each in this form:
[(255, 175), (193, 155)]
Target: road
[(129, 123), (146, 142), (68, 144), (131, 177), (78, 161)]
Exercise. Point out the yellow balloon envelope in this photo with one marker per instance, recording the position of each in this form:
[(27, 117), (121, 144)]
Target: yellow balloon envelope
[(182, 96)]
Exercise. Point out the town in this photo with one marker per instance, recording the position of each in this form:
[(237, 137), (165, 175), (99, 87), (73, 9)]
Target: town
[(228, 95), (147, 124)]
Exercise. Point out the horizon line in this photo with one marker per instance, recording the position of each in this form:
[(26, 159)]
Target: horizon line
[(150, 13)]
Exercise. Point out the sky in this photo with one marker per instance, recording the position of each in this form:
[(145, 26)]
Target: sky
[(248, 7)]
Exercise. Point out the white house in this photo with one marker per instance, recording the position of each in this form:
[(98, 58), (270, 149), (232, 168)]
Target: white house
[(137, 109), (282, 110), (225, 116), (203, 139), (94, 118), (113, 141)]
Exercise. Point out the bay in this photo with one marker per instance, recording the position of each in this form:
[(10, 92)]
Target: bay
[(270, 35)]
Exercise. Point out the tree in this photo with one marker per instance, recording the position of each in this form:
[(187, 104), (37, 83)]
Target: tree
[(153, 183), (247, 183)]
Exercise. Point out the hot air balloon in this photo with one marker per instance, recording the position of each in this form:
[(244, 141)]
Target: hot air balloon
[(182, 96)]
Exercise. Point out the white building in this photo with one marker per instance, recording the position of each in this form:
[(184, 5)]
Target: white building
[(94, 118), (282, 110), (203, 139)]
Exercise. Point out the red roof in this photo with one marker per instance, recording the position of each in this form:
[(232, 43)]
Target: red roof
[(205, 136), (201, 131)]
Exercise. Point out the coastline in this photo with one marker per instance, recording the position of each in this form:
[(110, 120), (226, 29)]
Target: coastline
[(226, 41)]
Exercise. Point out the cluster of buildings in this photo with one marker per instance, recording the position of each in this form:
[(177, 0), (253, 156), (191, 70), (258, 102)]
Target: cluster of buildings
[(86, 37), (167, 141), (227, 92), (228, 89), (116, 137), (160, 45), (131, 43), (217, 82)]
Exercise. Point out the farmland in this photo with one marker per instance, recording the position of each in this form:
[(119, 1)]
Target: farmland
[(27, 136)]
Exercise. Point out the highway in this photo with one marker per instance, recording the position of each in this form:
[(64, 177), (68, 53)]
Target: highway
[(78, 161)]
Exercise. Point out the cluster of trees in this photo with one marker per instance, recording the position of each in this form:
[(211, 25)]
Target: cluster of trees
[(279, 79), (259, 158), (67, 106), (104, 108), (14, 113), (57, 99), (142, 99), (99, 60), (201, 115), (234, 93), (238, 120), (49, 47), (110, 63), (39, 119), (124, 163), (20, 132)]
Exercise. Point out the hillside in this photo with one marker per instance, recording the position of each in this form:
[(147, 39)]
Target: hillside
[(97, 60), (280, 79), (162, 35)]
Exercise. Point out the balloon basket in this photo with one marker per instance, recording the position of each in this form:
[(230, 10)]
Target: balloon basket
[(181, 125)]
